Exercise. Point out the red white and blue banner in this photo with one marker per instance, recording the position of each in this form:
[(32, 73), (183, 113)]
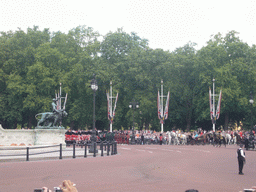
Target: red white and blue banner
[(211, 106), (162, 115), (159, 107), (114, 110), (218, 107), (111, 115), (166, 106), (214, 115)]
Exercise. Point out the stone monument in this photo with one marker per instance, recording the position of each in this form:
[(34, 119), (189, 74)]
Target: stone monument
[(49, 129)]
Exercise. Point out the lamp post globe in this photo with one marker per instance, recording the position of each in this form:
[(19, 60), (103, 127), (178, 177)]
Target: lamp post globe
[(94, 87)]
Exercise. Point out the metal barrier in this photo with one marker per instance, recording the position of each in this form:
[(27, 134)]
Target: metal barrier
[(28, 153)]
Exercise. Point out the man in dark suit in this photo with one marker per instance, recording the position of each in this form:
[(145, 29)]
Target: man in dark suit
[(241, 159), (142, 139)]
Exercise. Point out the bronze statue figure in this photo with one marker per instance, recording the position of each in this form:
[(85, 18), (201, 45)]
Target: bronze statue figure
[(53, 120), (50, 119)]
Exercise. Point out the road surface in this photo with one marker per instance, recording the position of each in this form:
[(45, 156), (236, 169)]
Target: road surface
[(137, 168)]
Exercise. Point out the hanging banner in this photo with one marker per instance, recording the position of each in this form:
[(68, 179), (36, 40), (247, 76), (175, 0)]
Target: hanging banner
[(215, 116), (211, 106), (218, 107), (115, 107), (166, 107), (159, 107), (109, 115), (164, 116)]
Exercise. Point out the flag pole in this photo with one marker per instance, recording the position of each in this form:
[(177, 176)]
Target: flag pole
[(60, 96), (111, 109), (214, 115), (111, 112), (162, 106)]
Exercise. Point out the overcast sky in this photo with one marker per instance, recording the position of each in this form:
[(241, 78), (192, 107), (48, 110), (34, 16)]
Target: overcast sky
[(167, 24)]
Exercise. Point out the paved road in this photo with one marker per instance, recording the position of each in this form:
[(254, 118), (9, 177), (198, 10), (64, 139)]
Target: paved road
[(137, 168)]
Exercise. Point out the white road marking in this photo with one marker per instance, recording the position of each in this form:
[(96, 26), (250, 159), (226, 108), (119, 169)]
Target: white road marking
[(204, 151), (150, 148), (191, 149), (167, 150), (126, 148), (139, 150), (170, 150)]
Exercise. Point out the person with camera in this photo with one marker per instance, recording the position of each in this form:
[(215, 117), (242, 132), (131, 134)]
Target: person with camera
[(67, 186)]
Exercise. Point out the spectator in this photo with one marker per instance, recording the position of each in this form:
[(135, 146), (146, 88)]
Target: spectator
[(142, 139), (67, 186), (45, 189)]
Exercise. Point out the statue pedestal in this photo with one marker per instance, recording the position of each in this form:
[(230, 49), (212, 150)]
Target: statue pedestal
[(49, 136)]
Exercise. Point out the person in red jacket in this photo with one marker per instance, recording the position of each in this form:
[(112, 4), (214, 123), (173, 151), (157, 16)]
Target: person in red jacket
[(161, 139)]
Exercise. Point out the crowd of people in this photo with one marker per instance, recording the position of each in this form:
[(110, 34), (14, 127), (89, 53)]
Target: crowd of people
[(175, 137), (180, 137)]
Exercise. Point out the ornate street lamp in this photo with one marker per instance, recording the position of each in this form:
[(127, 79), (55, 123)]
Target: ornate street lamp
[(251, 101), (134, 104), (94, 87)]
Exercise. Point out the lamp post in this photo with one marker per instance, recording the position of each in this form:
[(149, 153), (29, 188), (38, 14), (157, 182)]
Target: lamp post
[(94, 87), (251, 101), (134, 104)]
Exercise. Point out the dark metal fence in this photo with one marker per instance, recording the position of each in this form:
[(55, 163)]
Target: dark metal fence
[(110, 147)]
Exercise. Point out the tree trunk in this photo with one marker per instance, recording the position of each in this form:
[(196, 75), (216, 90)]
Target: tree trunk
[(188, 125), (141, 124), (30, 121), (147, 125), (188, 119), (72, 125)]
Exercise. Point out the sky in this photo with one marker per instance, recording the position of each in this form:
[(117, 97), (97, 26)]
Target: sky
[(167, 24)]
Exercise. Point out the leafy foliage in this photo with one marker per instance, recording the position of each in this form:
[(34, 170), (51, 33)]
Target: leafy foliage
[(33, 63)]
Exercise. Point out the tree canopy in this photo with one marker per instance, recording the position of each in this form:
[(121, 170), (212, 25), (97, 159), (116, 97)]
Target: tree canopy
[(33, 63)]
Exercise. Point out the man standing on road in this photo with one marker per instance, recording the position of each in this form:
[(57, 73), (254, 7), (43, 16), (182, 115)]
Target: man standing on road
[(161, 139), (142, 139), (241, 159)]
